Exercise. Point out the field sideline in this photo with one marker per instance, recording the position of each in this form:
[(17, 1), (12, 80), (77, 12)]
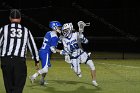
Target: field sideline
[(113, 76)]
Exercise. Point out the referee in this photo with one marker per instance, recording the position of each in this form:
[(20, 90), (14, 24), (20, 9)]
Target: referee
[(14, 39)]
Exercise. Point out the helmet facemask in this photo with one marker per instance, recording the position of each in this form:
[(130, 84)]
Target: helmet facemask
[(58, 29), (67, 29), (66, 32)]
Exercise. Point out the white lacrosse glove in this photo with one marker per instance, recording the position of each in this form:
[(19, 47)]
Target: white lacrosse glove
[(89, 53), (81, 36), (67, 59), (53, 49), (63, 52)]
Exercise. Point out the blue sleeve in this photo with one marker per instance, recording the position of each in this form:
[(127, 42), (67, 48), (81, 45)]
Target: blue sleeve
[(46, 36), (54, 41)]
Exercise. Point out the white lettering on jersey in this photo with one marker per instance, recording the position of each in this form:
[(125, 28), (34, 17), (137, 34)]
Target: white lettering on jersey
[(70, 44)]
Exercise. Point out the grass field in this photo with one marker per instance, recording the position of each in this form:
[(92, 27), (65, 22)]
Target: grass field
[(113, 76)]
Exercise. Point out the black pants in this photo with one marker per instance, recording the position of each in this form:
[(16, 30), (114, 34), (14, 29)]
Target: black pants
[(14, 73)]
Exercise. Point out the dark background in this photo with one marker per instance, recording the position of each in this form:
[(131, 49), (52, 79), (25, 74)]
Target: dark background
[(114, 23)]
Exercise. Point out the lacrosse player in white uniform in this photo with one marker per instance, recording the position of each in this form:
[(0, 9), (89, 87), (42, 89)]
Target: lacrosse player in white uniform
[(73, 53)]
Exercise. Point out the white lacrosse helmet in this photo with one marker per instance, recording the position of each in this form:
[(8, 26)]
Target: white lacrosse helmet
[(67, 29)]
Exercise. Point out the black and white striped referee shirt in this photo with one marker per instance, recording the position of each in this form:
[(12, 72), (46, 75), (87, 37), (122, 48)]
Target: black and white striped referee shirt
[(14, 40)]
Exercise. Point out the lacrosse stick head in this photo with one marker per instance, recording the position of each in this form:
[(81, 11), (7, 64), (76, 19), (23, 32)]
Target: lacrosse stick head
[(81, 25)]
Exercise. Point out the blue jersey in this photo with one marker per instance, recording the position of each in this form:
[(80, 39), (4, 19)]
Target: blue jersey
[(50, 39)]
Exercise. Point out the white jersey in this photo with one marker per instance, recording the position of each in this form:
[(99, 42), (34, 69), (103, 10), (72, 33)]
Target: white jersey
[(71, 44)]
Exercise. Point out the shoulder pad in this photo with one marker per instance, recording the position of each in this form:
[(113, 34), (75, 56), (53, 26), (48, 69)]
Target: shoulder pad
[(53, 34)]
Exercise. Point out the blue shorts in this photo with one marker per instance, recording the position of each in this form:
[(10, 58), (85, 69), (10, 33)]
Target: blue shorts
[(45, 59)]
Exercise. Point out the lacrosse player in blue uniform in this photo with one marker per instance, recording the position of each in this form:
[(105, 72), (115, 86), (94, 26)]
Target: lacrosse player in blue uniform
[(74, 54), (48, 47)]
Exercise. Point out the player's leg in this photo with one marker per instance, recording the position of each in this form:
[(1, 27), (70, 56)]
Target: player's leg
[(43, 76), (45, 65), (76, 67), (45, 60), (93, 72), (42, 80), (85, 58)]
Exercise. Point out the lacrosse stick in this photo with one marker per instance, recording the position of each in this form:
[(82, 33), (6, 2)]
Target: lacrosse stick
[(82, 25)]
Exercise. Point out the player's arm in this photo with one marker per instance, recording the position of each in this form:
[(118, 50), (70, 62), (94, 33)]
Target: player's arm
[(1, 38), (33, 48), (54, 42), (66, 54), (60, 39), (62, 52), (83, 39)]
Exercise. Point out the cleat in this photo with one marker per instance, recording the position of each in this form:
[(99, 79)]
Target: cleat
[(42, 82), (32, 79), (95, 83), (79, 75), (45, 83)]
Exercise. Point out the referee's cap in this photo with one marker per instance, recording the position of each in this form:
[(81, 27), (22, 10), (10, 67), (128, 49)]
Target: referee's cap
[(15, 14)]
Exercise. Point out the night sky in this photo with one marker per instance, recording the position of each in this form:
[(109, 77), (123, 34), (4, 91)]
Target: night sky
[(116, 19)]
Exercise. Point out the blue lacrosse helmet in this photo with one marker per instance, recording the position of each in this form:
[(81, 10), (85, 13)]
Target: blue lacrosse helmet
[(54, 24)]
